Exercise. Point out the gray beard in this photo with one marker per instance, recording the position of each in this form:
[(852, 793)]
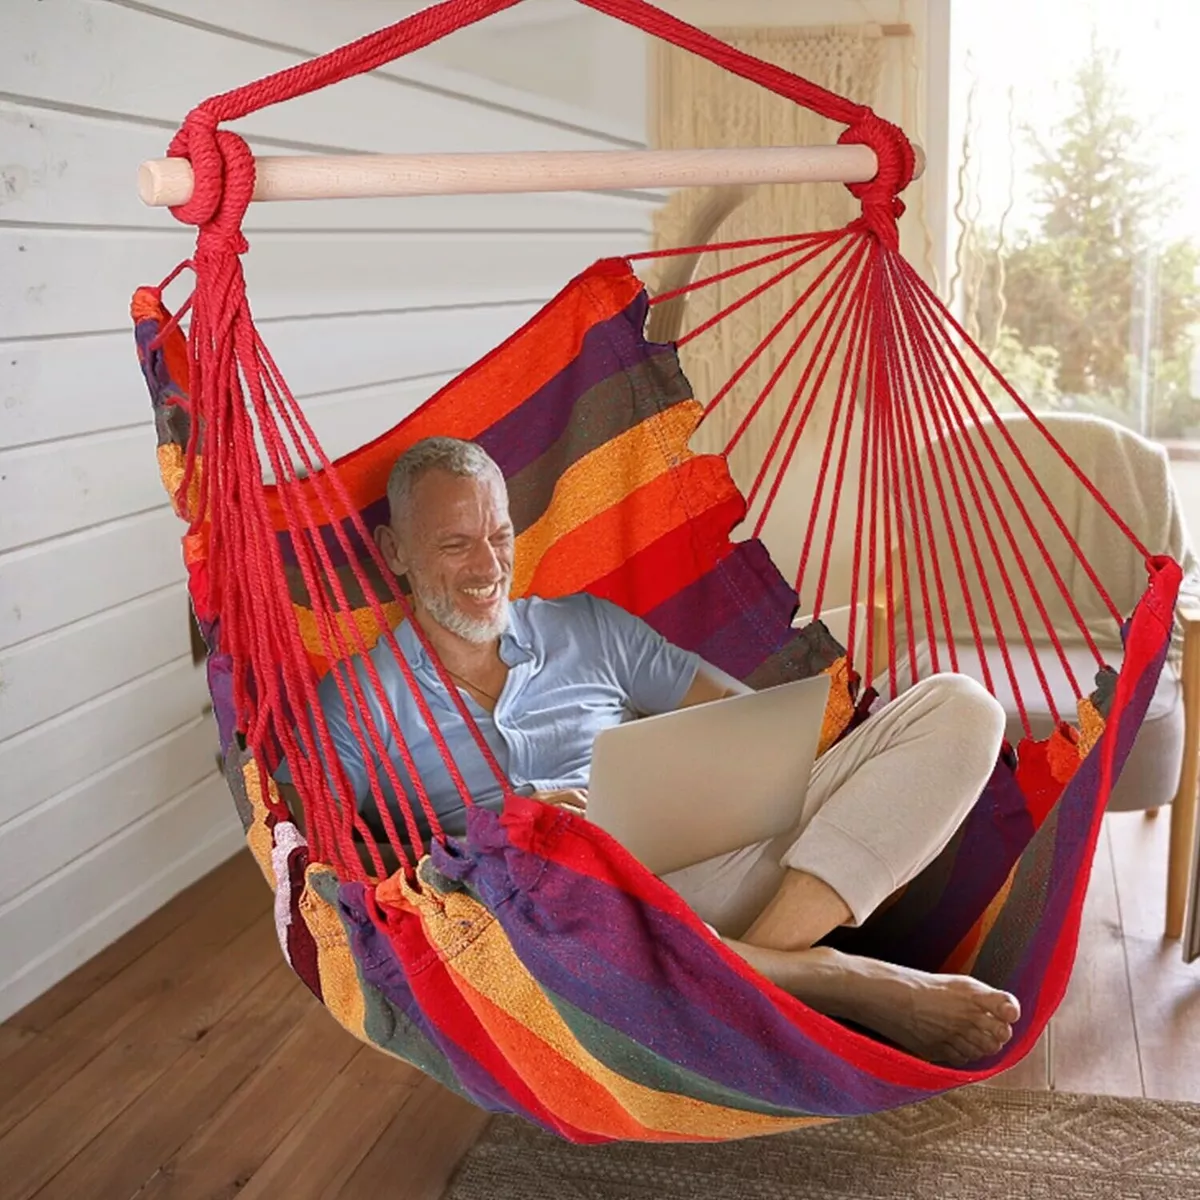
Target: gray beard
[(478, 633)]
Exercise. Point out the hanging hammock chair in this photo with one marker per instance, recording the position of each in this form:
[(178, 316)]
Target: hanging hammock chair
[(533, 966)]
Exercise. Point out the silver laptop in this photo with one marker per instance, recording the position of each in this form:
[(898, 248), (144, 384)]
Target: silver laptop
[(679, 788)]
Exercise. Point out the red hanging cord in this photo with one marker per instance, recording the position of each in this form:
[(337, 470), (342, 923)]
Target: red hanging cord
[(729, 273), (742, 301), (760, 349), (846, 396), (943, 369), (840, 293), (714, 247), (920, 286)]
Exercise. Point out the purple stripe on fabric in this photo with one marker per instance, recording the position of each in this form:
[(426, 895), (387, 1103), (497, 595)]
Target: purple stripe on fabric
[(609, 347), (163, 389), (1075, 813), (374, 514), (381, 968), (220, 687), (655, 981), (736, 615)]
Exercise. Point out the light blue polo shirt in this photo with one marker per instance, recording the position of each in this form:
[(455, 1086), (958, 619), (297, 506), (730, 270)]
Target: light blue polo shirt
[(577, 665)]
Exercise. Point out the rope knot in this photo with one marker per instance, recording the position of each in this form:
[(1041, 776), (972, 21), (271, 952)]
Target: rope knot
[(223, 180), (880, 196)]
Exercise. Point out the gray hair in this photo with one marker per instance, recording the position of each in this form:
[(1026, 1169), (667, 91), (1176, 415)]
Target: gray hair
[(452, 455)]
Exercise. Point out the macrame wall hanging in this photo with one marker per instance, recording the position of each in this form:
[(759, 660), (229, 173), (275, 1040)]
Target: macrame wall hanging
[(695, 103)]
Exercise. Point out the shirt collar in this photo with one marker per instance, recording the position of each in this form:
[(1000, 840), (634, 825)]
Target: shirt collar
[(516, 642)]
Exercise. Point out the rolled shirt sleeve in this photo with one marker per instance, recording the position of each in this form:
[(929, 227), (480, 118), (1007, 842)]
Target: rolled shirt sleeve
[(654, 673)]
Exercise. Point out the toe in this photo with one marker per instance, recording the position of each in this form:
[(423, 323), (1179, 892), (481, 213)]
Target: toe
[(998, 1032), (1004, 1006), (959, 1051)]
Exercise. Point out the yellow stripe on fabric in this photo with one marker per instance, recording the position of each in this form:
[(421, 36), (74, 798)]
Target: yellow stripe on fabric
[(488, 965), (341, 992), (172, 465), (602, 479), (1091, 726), (839, 709), (258, 835), (364, 619)]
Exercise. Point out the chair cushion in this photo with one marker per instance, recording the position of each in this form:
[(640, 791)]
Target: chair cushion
[(1151, 774)]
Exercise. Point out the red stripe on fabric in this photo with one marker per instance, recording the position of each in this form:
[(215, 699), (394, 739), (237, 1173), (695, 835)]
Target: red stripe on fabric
[(1149, 630), (672, 563)]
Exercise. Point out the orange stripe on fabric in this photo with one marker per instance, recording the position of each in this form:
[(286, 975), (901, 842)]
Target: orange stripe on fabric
[(495, 386), (341, 990), (259, 837), (604, 484), (364, 619), (839, 709), (527, 1027), (1091, 726)]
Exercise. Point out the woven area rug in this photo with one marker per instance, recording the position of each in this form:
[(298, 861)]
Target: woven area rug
[(974, 1144)]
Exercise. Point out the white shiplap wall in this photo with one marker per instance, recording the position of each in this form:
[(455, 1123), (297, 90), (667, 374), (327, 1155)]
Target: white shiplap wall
[(109, 797)]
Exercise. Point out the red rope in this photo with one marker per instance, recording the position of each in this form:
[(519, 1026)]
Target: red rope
[(893, 508), (943, 371), (841, 291), (903, 470), (931, 299), (714, 247), (729, 273), (327, 472), (758, 351), (873, 537), (792, 267), (847, 393), (912, 458), (856, 555), (940, 394)]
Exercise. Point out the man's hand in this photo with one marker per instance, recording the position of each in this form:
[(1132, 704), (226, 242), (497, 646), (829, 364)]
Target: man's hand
[(574, 799)]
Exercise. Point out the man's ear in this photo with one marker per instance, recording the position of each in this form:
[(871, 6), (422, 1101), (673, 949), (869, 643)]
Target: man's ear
[(389, 547)]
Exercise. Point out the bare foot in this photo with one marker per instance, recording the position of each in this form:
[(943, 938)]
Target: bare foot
[(951, 1019)]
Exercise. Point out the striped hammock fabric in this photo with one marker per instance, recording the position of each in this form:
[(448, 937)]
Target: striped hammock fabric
[(533, 966)]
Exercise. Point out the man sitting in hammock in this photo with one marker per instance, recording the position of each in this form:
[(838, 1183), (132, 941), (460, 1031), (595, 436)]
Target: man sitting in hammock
[(543, 677)]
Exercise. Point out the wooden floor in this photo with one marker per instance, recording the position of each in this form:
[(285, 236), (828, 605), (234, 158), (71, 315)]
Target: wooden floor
[(186, 1060)]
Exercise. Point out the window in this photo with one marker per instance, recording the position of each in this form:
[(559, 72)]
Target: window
[(1075, 192)]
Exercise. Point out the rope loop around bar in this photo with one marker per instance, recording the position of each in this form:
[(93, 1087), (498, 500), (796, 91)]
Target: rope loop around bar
[(223, 170), (880, 196)]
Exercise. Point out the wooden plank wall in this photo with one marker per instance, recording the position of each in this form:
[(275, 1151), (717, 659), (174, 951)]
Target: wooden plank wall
[(109, 798)]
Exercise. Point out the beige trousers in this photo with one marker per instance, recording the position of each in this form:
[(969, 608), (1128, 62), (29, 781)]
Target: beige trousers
[(881, 805)]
